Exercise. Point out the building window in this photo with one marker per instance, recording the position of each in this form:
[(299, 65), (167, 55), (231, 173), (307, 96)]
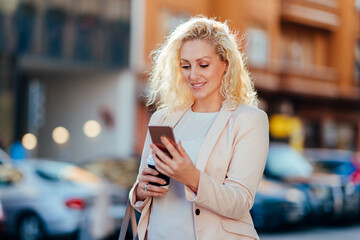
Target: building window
[(55, 20), (312, 130), (25, 22), (297, 48), (170, 20), (346, 136), (357, 3), (3, 33), (338, 135), (84, 37), (357, 63), (257, 49), (6, 102)]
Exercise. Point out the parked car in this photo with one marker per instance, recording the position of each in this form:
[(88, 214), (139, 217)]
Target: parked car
[(343, 163), (4, 158), (278, 205), (121, 175), (48, 198), (323, 190)]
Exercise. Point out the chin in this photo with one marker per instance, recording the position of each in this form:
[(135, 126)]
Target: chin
[(198, 96)]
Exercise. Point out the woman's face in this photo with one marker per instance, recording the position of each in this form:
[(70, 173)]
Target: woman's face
[(202, 70)]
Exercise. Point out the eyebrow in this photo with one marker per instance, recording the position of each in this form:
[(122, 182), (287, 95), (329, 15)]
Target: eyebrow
[(199, 59)]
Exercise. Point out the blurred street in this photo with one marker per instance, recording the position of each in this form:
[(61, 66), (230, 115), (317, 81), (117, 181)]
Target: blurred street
[(74, 114), (318, 233)]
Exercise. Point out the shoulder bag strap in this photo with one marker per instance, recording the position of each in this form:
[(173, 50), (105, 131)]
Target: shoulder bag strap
[(129, 215)]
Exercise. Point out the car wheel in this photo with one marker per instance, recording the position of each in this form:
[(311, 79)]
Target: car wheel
[(31, 228)]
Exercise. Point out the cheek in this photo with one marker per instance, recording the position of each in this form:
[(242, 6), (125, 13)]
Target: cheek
[(216, 75), (185, 74)]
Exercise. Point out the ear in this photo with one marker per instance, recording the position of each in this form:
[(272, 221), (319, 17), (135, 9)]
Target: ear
[(226, 65)]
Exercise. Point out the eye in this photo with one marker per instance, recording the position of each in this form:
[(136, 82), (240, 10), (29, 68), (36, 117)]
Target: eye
[(185, 67), (204, 65)]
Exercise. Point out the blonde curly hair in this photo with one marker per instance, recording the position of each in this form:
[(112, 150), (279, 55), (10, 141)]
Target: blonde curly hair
[(168, 90)]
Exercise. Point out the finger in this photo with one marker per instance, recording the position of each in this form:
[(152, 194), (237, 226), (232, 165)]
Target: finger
[(155, 194), (149, 171), (170, 147), (151, 190), (181, 149), (162, 167), (152, 179), (161, 155), (156, 189)]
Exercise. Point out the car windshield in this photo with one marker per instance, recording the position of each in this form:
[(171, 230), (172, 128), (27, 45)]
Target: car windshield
[(4, 158), (331, 161), (61, 171), (9, 175), (52, 171), (337, 167), (284, 161)]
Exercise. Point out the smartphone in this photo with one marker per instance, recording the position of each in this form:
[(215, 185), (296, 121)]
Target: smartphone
[(156, 132)]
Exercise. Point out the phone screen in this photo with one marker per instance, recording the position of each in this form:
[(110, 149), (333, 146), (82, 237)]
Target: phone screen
[(156, 132)]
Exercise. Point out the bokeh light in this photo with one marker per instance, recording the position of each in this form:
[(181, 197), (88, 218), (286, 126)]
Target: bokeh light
[(60, 135), (92, 128), (29, 141)]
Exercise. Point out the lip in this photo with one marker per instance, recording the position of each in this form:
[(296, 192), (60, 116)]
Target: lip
[(198, 86)]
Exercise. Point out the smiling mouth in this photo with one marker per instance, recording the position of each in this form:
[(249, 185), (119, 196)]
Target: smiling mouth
[(197, 86)]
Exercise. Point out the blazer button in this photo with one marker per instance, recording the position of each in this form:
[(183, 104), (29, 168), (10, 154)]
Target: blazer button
[(197, 211)]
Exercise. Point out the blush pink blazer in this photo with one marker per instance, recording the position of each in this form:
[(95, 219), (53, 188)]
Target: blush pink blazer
[(231, 161)]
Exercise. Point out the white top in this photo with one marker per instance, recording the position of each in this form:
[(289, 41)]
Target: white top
[(172, 216)]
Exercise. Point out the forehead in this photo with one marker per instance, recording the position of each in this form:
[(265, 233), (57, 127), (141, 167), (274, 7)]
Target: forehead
[(195, 49)]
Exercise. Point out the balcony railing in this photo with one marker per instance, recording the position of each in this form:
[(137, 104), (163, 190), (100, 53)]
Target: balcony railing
[(292, 77), (316, 13)]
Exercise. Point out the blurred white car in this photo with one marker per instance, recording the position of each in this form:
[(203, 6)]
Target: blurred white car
[(4, 158), (44, 198)]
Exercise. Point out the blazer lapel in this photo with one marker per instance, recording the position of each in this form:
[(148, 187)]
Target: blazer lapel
[(172, 119), (213, 135)]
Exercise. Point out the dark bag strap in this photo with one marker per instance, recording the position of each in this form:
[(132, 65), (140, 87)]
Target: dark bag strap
[(129, 215)]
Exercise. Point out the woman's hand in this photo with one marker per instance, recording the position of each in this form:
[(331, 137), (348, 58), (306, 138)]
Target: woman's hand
[(149, 175), (180, 167)]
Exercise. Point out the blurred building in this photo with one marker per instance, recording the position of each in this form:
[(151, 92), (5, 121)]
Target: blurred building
[(303, 55), (62, 63)]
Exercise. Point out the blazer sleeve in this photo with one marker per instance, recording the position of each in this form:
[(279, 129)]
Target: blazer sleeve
[(139, 205), (235, 196)]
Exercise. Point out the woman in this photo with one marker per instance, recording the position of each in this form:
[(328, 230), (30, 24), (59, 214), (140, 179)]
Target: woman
[(204, 92)]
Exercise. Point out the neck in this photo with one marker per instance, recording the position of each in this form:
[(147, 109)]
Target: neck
[(206, 106)]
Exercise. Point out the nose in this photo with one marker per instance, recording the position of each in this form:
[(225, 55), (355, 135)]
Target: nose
[(194, 74)]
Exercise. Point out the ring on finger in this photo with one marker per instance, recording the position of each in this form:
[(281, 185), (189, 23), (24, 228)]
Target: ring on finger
[(145, 187)]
